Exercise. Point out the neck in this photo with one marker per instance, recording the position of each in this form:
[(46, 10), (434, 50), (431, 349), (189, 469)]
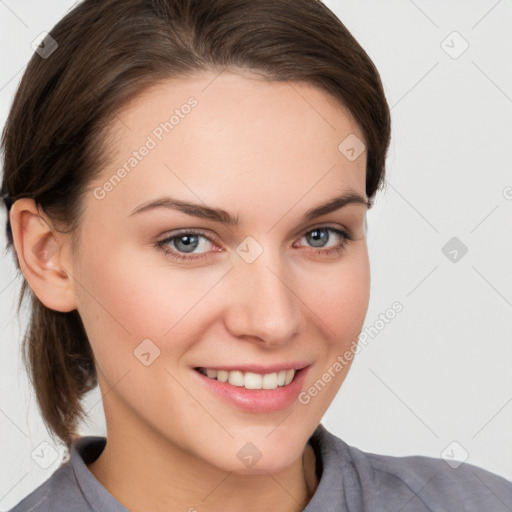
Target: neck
[(175, 479)]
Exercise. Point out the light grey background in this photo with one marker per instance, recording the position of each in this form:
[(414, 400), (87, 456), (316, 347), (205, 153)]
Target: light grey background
[(436, 380)]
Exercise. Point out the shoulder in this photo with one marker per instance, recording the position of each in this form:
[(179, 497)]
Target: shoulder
[(433, 484), (72, 487), (55, 494), (374, 482)]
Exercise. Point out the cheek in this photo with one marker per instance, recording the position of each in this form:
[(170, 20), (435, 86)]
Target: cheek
[(133, 295), (341, 304), (339, 296), (350, 303)]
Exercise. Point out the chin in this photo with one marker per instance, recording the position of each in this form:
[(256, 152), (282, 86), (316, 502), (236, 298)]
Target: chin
[(261, 456)]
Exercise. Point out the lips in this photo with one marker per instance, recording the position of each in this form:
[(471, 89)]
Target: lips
[(256, 400)]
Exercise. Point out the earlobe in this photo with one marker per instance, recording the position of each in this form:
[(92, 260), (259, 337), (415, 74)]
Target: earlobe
[(41, 256)]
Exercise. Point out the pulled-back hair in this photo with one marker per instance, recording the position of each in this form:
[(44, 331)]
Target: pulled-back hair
[(55, 142)]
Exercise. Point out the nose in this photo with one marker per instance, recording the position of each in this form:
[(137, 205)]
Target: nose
[(263, 303)]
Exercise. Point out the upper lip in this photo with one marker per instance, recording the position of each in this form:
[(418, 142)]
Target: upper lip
[(256, 368)]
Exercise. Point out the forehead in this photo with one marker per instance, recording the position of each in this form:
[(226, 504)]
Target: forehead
[(212, 135)]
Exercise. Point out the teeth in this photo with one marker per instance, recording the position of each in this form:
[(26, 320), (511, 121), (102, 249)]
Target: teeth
[(251, 380), (236, 378), (211, 373)]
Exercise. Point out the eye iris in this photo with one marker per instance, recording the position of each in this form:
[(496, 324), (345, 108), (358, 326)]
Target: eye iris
[(318, 235), (190, 242)]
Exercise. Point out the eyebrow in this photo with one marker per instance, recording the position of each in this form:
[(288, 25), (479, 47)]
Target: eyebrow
[(220, 215)]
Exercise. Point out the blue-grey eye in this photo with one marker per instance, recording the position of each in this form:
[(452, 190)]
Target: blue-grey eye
[(186, 243), (318, 236)]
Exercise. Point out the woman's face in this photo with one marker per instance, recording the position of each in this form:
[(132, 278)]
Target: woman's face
[(272, 289)]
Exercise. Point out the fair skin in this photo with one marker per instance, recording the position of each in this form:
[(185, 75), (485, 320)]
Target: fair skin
[(267, 153)]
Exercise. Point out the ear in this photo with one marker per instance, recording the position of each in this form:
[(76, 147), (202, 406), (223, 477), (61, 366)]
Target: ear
[(41, 253)]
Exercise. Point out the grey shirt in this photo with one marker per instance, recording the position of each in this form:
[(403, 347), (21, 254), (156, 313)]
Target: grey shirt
[(350, 480)]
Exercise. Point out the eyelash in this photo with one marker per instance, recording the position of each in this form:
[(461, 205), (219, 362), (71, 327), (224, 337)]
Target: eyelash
[(345, 235)]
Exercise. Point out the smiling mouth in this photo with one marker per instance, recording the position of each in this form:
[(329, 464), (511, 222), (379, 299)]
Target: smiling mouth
[(250, 380)]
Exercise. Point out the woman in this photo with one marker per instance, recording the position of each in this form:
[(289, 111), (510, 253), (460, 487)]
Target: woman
[(188, 184)]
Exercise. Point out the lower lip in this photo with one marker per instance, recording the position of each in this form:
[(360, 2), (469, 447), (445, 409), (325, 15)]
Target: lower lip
[(257, 400)]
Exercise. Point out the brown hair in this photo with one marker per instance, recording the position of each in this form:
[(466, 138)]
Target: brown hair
[(55, 141)]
